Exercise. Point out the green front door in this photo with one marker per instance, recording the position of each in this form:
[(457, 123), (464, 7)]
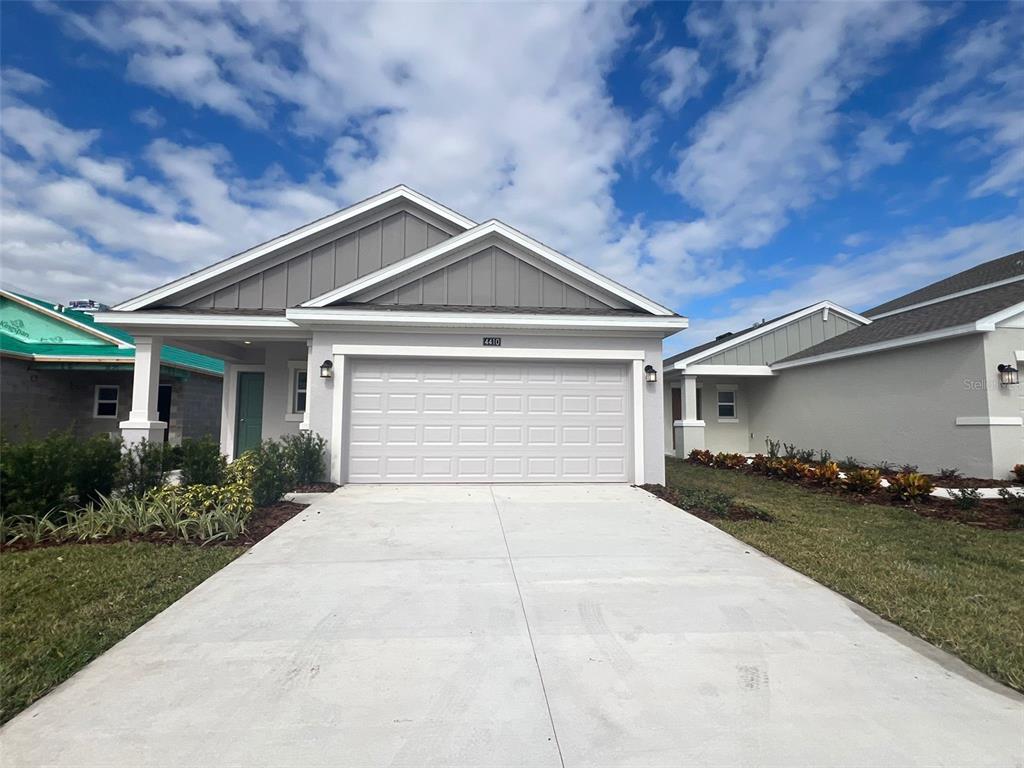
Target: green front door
[(249, 418)]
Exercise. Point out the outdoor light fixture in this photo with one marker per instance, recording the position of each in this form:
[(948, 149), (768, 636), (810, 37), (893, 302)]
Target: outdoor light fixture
[(1007, 375), (326, 369), (650, 374)]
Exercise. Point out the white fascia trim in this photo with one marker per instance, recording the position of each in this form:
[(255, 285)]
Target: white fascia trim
[(492, 227), (768, 328), (174, 320), (989, 421), (948, 296), (120, 343), (500, 353), (729, 370), (397, 193), (991, 322), (308, 317), (906, 341), (689, 423), (1019, 355)]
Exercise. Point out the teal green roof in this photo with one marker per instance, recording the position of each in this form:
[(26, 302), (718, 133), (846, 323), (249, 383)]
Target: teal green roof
[(23, 335)]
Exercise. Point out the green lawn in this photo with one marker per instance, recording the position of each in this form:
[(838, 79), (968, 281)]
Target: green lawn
[(61, 607), (961, 588)]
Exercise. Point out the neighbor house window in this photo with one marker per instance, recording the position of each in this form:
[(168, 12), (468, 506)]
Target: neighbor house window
[(727, 404), (105, 405)]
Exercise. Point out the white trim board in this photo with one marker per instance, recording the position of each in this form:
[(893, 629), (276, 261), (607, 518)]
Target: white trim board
[(947, 297), (488, 228), (989, 421), (400, 192), (91, 330), (494, 353), (334, 316), (727, 370), (761, 330)]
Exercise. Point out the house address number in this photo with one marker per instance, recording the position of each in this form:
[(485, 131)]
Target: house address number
[(492, 341)]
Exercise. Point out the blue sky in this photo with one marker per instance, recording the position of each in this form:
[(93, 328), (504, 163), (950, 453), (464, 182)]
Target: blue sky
[(732, 161)]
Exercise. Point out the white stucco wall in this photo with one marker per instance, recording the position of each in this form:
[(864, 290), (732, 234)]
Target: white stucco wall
[(321, 391), (720, 435), (1001, 346), (899, 406)]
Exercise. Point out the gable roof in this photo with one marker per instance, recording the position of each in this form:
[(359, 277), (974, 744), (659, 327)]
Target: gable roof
[(989, 274), (395, 272), (725, 341), (191, 281), (970, 313), (119, 346)]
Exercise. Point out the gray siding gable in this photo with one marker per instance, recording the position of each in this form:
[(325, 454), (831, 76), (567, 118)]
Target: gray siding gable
[(326, 263), (491, 277), (793, 337)]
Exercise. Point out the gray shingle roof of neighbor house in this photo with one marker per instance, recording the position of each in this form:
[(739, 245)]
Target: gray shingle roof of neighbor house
[(931, 317), (994, 271), (731, 336)]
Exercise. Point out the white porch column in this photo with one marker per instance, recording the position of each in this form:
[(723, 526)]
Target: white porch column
[(689, 431), (142, 421)]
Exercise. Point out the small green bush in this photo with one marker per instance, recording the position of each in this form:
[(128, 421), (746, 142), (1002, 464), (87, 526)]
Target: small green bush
[(305, 455), (145, 466), (966, 498), (202, 463), (271, 475), (771, 447), (849, 464), (59, 470), (1013, 500), (950, 474)]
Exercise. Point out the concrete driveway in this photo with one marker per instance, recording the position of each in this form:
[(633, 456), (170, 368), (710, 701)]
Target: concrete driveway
[(531, 626)]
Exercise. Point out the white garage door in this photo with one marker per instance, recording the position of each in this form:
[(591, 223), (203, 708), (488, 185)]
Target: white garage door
[(443, 421)]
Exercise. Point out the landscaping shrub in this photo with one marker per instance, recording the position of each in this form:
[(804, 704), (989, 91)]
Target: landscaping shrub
[(910, 486), (950, 474), (305, 454), (760, 463), (715, 502), (771, 447), (698, 456), (202, 463), (145, 466), (803, 455), (1015, 501), (908, 469), (1018, 472), (794, 469), (271, 476), (862, 480), (849, 464), (730, 460), (966, 498), (824, 457), (827, 474), (37, 476)]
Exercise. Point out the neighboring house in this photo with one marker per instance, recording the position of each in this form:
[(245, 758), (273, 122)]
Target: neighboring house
[(915, 380), (60, 369), (423, 346)]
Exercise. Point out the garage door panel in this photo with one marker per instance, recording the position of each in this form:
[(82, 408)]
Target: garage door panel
[(460, 421)]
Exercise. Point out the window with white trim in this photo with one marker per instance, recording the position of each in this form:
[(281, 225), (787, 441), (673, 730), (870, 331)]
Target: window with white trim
[(726, 404), (105, 401), (297, 388)]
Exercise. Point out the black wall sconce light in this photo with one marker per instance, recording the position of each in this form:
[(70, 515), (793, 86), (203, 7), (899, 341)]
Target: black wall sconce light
[(650, 374), (1007, 375), (326, 369)]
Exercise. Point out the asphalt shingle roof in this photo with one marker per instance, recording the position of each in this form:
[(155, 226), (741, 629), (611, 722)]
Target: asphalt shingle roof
[(994, 271), (933, 317)]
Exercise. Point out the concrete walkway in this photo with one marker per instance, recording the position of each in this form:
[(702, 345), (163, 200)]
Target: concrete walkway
[(574, 626)]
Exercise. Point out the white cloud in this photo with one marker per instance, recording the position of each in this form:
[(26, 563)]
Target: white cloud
[(41, 136), (874, 149), (768, 150), (148, 117), (981, 95), (14, 80), (679, 77)]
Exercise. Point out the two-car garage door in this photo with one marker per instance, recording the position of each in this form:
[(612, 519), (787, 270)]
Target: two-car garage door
[(443, 421)]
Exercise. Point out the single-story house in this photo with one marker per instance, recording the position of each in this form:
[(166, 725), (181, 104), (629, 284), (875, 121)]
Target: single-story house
[(930, 378), (60, 369), (423, 346)]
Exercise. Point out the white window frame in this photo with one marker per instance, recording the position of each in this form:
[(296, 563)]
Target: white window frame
[(294, 366), (720, 388), (96, 401)]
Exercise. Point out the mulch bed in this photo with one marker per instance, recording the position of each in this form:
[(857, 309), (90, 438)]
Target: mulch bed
[(994, 514), (735, 511), (316, 488), (264, 521), (970, 482)]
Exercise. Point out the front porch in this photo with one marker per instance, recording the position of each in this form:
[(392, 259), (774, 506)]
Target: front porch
[(711, 412)]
